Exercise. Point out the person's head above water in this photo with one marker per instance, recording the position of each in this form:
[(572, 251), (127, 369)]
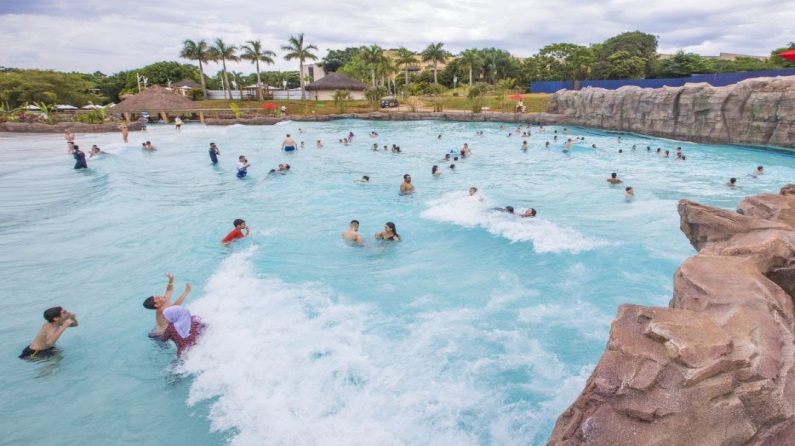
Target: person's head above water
[(473, 190), (613, 175), (509, 209), (239, 222), (50, 314), (530, 212), (407, 178), (354, 223), (391, 226)]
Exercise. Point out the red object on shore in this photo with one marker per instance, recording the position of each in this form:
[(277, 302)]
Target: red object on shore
[(789, 55), (270, 105), (516, 96)]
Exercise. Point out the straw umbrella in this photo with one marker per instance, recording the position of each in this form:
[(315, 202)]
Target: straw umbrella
[(327, 85), (156, 99)]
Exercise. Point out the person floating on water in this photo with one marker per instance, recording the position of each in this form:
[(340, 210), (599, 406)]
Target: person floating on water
[(406, 187), (732, 182), (182, 328), (214, 152), (352, 233), (288, 145), (160, 303), (242, 166), (363, 179), (506, 209), (390, 233), (80, 158), (236, 233), (614, 179), (43, 345), (96, 151), (529, 213)]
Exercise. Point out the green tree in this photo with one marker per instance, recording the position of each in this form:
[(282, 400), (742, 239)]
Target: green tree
[(406, 57), (477, 96), (253, 52), (223, 52), (777, 62), (471, 60), (682, 65), (634, 44), (341, 99), (373, 56), (498, 64), (336, 59), (374, 95), (28, 86), (567, 61), (297, 50), (623, 65), (160, 73), (200, 52), (357, 68), (435, 53)]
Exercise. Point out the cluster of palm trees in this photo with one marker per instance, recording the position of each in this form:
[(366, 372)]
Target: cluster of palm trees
[(252, 51)]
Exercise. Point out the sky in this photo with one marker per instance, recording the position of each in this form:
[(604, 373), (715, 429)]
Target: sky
[(116, 35)]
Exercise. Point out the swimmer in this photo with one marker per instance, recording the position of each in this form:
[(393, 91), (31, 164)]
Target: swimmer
[(160, 303), (473, 192), (760, 170), (124, 131), (363, 179), (618, 139), (666, 154), (178, 123), (386, 149), (237, 233), (390, 233), (214, 152), (396, 149), (375, 147), (525, 146), (43, 345), (593, 146), (148, 146), (350, 136), (96, 151), (435, 171), (529, 213), (732, 182), (614, 179), (620, 150), (446, 157), (506, 209), (80, 158), (546, 145), (452, 166), (465, 152), (634, 146), (439, 137), (288, 145), (319, 144), (406, 187), (567, 146), (352, 233), (284, 167), (302, 144), (242, 166), (182, 328), (373, 134), (630, 193), (300, 130)]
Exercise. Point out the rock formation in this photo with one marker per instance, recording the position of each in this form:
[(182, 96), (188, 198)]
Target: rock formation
[(754, 111), (716, 368)]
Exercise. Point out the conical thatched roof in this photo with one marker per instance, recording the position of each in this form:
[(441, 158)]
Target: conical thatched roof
[(186, 83), (336, 81), (155, 99)]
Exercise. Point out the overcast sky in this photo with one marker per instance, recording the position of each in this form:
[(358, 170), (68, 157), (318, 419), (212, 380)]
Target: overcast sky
[(110, 36)]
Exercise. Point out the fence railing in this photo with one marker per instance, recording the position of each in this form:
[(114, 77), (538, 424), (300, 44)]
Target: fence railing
[(716, 80)]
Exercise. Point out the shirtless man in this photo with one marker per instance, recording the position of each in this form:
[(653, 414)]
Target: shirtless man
[(614, 179), (70, 140), (406, 187), (124, 131), (352, 233), (288, 145), (148, 146), (43, 345), (160, 303)]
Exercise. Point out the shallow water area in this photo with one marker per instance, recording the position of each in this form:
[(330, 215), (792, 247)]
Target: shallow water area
[(479, 327)]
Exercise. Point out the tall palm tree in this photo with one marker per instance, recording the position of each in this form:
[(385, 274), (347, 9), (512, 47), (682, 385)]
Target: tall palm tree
[(406, 57), (435, 53), (253, 51), (373, 56), (223, 52), (470, 59), (198, 51), (297, 50)]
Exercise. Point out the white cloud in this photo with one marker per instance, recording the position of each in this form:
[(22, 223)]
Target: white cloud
[(111, 36)]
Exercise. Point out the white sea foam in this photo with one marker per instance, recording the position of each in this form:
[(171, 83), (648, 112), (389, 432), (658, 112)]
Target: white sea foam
[(461, 209), (290, 364)]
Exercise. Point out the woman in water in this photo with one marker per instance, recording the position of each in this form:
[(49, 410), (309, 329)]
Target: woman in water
[(390, 233), (183, 328), (435, 171)]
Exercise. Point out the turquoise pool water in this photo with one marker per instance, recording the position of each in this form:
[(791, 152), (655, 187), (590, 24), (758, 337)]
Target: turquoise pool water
[(477, 328)]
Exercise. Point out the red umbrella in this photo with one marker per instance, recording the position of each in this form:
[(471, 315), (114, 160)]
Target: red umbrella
[(789, 55), (270, 105), (516, 96)]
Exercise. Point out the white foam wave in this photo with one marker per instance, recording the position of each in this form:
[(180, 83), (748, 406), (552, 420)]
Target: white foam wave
[(290, 364), (467, 211)]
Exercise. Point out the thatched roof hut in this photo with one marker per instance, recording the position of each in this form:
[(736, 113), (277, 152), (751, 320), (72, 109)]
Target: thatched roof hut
[(323, 89), (155, 99), (186, 83)]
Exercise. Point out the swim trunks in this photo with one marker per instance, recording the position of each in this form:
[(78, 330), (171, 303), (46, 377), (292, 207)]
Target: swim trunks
[(29, 353), (213, 156), (289, 148), (241, 173)]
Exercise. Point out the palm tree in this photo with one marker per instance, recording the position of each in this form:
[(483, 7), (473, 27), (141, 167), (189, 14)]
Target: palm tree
[(406, 57), (198, 51), (373, 56), (470, 59), (254, 52), (435, 53), (223, 52), (297, 50)]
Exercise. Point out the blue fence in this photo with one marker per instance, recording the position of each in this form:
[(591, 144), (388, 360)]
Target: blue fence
[(717, 80)]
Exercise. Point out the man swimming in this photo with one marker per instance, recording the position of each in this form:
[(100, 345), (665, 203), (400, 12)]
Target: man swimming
[(363, 179), (236, 233), (43, 345), (614, 179), (732, 182), (352, 233), (160, 303), (288, 145), (406, 187)]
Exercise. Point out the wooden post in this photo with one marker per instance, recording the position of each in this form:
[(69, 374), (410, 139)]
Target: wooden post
[(201, 116), (127, 116), (164, 117)]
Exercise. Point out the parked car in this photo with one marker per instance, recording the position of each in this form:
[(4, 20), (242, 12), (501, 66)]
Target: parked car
[(389, 103)]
